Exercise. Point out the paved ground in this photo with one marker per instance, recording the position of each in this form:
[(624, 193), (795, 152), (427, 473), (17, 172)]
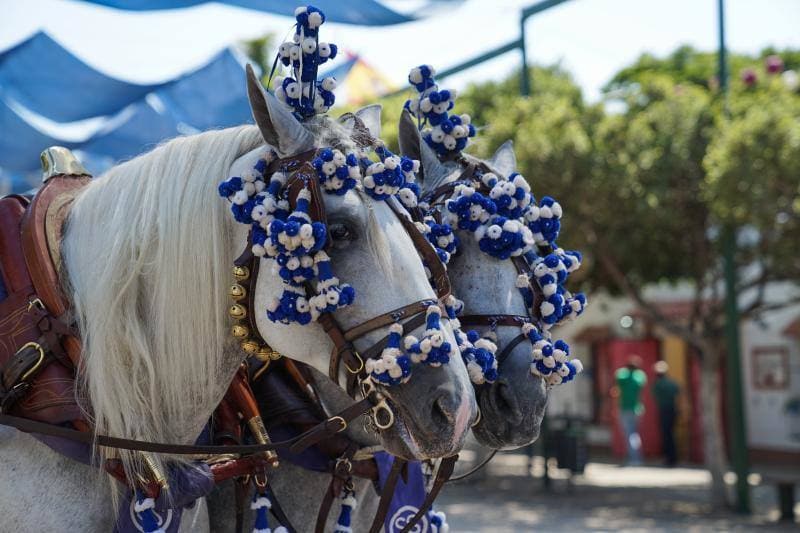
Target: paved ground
[(606, 498)]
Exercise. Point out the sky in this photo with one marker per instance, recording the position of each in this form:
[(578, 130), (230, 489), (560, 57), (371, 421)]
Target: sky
[(590, 38)]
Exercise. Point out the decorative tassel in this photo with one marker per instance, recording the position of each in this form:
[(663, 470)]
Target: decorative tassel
[(144, 508), (261, 504), (349, 503)]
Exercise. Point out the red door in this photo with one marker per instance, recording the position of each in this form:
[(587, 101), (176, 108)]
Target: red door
[(618, 352)]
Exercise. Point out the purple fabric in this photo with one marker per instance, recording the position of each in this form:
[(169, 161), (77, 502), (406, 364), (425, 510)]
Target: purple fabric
[(408, 497), (185, 486), (77, 451)]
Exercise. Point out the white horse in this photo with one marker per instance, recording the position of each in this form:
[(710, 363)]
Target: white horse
[(147, 253), (512, 408)]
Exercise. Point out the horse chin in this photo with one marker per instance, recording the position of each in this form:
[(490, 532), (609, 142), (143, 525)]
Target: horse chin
[(498, 431), (405, 439)]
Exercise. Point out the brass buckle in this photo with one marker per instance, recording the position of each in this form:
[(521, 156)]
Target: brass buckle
[(360, 363), (38, 347)]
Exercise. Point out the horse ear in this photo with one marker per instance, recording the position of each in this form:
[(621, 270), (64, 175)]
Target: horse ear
[(432, 168), (504, 159), (409, 137), (277, 124), (371, 117)]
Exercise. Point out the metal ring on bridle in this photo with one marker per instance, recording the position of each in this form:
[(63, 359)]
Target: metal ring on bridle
[(382, 407)]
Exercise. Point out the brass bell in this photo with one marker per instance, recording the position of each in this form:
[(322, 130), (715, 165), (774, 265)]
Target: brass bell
[(241, 273), (237, 311), (240, 332), (275, 355), (250, 346), (237, 292)]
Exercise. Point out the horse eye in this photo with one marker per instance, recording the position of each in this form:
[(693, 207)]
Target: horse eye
[(341, 233)]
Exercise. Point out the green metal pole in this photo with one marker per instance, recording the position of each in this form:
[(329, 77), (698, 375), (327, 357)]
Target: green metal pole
[(736, 413), (524, 81)]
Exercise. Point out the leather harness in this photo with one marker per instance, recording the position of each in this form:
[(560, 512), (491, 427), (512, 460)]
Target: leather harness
[(40, 350)]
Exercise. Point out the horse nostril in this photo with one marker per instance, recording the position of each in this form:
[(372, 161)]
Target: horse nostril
[(444, 409), (505, 402)]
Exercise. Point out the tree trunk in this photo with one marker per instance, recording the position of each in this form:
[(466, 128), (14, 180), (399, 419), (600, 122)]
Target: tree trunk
[(714, 452)]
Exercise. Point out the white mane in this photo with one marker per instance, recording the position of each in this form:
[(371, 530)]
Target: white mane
[(148, 254)]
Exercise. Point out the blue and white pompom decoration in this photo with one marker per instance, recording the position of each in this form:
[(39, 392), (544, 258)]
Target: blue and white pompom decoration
[(421, 77), (291, 307), (551, 360), (448, 134), (331, 294), (504, 238), (438, 522), (244, 192), (304, 54), (441, 237), (144, 507), (432, 349), (511, 195), (348, 504), (298, 235), (478, 354), (337, 172), (393, 367), (544, 220), (386, 178), (551, 272), (261, 504), (469, 209)]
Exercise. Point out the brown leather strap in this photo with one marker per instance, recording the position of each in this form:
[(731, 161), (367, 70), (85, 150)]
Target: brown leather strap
[(387, 494), (342, 470), (240, 502), (388, 318), (493, 321), (427, 252), (446, 468), (31, 426), (333, 425)]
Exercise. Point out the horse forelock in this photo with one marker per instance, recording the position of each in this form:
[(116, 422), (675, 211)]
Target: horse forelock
[(147, 253)]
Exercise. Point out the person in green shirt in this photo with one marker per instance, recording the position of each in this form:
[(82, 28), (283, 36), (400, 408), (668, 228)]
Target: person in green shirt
[(665, 392), (630, 380)]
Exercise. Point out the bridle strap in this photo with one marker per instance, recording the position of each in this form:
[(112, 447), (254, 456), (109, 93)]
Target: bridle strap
[(446, 468), (480, 465), (342, 471), (427, 252), (387, 494)]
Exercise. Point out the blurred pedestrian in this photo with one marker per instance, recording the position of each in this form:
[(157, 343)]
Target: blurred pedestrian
[(630, 380), (665, 392)]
